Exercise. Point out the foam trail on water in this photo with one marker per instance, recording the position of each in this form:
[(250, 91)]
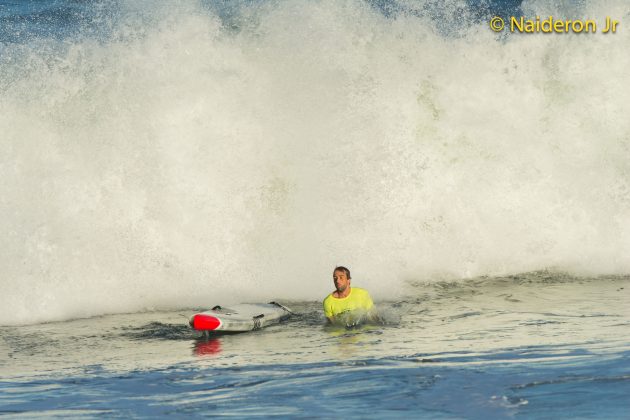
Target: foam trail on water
[(183, 161)]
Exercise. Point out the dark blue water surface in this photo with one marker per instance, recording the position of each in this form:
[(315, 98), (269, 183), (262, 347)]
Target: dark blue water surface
[(525, 383)]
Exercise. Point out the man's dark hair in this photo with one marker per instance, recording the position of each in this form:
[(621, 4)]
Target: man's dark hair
[(344, 269)]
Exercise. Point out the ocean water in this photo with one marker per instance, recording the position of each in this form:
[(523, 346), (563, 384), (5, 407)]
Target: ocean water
[(528, 346), (158, 158)]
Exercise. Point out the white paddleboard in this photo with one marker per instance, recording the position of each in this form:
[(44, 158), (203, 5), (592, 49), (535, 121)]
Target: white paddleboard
[(240, 317)]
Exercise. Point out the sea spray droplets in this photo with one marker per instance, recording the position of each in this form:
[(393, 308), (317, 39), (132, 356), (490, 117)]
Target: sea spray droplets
[(180, 161)]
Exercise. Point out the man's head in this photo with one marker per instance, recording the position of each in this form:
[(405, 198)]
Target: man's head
[(341, 278)]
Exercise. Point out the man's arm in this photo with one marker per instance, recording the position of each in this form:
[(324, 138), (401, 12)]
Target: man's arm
[(328, 311), (372, 314)]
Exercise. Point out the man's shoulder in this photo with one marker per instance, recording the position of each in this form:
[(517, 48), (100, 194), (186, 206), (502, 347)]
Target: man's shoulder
[(362, 295)]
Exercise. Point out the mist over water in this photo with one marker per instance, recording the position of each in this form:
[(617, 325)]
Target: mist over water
[(181, 155)]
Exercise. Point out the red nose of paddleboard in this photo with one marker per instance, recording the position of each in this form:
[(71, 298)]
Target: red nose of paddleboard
[(205, 322)]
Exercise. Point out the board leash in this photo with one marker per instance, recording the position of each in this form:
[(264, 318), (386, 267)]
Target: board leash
[(283, 307)]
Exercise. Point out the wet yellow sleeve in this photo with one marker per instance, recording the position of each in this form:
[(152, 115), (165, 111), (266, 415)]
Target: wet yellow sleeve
[(328, 308)]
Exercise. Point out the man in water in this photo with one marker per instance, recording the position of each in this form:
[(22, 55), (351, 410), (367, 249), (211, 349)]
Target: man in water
[(345, 298)]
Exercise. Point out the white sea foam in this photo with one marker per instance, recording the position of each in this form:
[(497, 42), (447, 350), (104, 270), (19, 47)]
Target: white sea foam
[(184, 162)]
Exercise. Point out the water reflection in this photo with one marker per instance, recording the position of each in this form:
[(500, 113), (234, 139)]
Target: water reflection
[(351, 340), (207, 346)]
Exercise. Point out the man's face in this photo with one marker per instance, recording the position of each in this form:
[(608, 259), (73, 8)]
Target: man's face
[(341, 281)]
